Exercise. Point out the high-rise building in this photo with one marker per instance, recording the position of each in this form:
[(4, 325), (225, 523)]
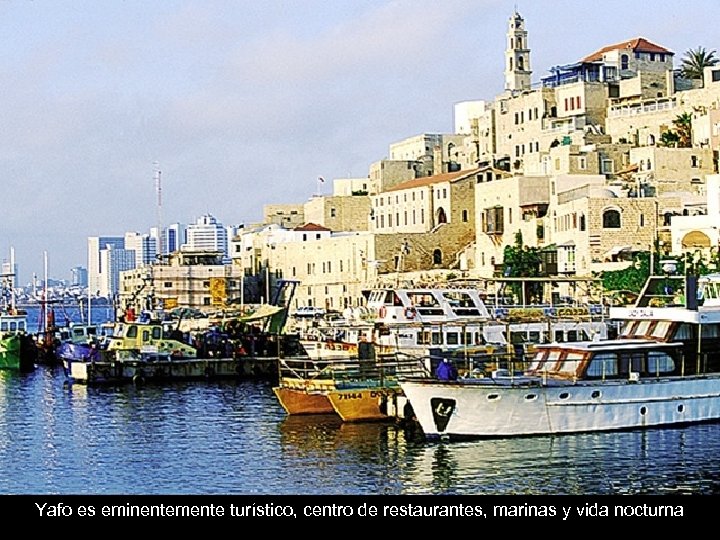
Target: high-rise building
[(207, 234), (97, 267), (175, 236), (144, 246), (79, 276)]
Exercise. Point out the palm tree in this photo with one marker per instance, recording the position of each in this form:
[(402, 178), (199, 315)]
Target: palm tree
[(683, 123), (695, 62)]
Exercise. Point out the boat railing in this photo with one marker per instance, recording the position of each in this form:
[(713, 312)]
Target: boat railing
[(344, 371)]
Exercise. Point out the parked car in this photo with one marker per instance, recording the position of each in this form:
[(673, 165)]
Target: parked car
[(309, 311)]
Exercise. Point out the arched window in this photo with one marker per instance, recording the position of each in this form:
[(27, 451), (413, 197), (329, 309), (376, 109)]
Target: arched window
[(441, 216), (437, 257), (519, 42), (521, 63), (611, 219), (651, 140), (624, 61)]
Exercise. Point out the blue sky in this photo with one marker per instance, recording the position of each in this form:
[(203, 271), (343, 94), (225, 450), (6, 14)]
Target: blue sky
[(245, 103)]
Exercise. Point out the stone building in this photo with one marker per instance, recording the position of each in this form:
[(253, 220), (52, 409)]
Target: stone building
[(193, 279), (339, 213)]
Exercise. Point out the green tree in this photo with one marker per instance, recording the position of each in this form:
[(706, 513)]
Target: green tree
[(696, 60), (669, 138), (632, 278), (522, 261), (683, 125)]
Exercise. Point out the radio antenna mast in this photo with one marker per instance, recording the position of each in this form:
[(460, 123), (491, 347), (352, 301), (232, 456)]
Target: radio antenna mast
[(158, 190)]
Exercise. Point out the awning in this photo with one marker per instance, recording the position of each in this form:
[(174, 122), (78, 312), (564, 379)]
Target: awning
[(617, 249), (632, 168)]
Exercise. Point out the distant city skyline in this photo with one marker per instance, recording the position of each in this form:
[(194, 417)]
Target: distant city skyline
[(242, 104)]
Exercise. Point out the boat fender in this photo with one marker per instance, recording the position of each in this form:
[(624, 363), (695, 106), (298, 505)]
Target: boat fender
[(382, 312), (138, 379)]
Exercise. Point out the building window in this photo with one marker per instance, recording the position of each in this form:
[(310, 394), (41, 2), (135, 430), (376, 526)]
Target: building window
[(465, 216), (606, 166), (611, 219), (694, 161), (167, 284), (332, 212), (437, 257), (642, 220), (624, 61), (582, 222)]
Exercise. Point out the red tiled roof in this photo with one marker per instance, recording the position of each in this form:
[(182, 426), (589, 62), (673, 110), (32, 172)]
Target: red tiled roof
[(311, 227), (435, 179), (638, 44)]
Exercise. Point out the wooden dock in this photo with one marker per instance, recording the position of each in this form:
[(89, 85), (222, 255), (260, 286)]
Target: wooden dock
[(149, 370)]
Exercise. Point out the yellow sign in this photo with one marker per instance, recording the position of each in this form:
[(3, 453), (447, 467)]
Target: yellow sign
[(217, 291), (170, 303)]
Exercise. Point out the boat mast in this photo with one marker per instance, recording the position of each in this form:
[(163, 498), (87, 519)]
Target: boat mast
[(12, 279), (45, 293)]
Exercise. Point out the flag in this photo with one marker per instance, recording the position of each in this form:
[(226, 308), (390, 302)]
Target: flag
[(321, 179)]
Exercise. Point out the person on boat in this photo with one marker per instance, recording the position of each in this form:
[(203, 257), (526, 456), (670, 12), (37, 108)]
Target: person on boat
[(446, 371)]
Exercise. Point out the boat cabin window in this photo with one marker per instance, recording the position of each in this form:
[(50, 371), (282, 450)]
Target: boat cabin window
[(132, 331), (437, 338), (642, 328), (423, 338), (452, 338), (659, 362), (145, 335), (602, 365), (13, 326), (627, 329), (572, 335), (684, 332), (537, 360), (709, 330), (660, 331), (571, 362), (631, 361), (157, 332), (462, 304), (559, 336), (549, 361)]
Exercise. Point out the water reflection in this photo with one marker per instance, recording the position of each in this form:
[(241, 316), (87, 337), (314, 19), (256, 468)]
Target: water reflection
[(232, 437), (637, 462)]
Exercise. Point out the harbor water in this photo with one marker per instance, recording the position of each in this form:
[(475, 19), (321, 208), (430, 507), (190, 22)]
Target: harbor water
[(232, 437)]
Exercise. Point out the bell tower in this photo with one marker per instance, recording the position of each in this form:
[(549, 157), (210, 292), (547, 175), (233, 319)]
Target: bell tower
[(517, 56)]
